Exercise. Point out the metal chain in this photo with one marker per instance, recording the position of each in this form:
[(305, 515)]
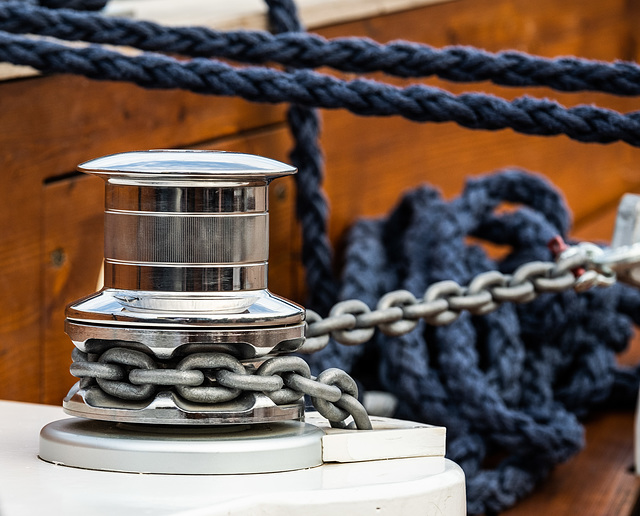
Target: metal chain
[(352, 322), (212, 378)]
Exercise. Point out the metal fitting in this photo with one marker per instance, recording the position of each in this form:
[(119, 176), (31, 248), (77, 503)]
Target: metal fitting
[(185, 271)]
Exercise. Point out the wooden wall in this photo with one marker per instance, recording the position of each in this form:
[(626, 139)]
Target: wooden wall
[(51, 220)]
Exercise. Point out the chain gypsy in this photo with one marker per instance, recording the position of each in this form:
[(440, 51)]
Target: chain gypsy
[(352, 322), (213, 378)]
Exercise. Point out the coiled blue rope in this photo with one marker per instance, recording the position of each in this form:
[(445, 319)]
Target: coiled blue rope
[(511, 383), (420, 103)]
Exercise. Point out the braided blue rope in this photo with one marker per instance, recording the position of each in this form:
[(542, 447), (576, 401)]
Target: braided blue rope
[(82, 5), (364, 97), (511, 382), (311, 203), (361, 55)]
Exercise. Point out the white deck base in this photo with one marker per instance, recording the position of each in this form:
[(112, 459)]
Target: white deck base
[(28, 485)]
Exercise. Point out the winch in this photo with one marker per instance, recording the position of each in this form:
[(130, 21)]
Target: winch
[(186, 360), (185, 276)]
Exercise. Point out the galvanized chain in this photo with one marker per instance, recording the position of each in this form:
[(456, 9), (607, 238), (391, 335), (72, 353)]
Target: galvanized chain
[(352, 322), (212, 378)]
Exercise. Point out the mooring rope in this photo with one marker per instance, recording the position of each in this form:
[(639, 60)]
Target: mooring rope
[(300, 50), (312, 209), (418, 102)]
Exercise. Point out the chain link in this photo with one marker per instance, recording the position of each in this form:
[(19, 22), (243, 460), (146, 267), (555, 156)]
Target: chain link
[(212, 378), (126, 360), (352, 322)]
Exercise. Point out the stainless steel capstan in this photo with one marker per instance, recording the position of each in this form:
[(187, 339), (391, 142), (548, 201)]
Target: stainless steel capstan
[(185, 273)]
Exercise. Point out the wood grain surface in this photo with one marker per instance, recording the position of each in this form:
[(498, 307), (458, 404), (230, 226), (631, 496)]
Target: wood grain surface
[(599, 481)]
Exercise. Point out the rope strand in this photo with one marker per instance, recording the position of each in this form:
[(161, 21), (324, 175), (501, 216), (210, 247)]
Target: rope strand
[(364, 97), (300, 50), (312, 206)]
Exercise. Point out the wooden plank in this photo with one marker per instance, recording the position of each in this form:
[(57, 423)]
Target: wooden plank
[(19, 288), (444, 158), (386, 156), (71, 261), (252, 13), (51, 124), (596, 482)]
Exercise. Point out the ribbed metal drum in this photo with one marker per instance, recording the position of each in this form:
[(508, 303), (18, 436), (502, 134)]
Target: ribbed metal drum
[(186, 258)]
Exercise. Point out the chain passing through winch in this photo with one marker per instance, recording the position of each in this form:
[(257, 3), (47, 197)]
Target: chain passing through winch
[(185, 331), (579, 267)]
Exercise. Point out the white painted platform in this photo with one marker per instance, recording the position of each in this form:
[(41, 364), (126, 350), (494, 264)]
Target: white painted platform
[(29, 486)]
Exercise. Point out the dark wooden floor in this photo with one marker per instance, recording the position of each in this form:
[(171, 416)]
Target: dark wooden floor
[(598, 481)]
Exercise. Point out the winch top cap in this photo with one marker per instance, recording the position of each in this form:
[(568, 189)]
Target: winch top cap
[(186, 164)]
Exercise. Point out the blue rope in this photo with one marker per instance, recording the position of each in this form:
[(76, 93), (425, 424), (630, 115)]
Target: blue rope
[(283, 16), (311, 203), (82, 5), (364, 97), (299, 50), (511, 382)]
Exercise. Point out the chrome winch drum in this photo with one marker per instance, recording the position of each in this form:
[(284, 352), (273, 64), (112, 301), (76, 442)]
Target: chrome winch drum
[(185, 274), (183, 366)]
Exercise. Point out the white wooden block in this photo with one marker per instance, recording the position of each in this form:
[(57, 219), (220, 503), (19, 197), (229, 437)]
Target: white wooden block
[(389, 439)]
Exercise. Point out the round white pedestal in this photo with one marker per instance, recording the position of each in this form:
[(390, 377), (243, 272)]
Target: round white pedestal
[(398, 487), (186, 450)]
